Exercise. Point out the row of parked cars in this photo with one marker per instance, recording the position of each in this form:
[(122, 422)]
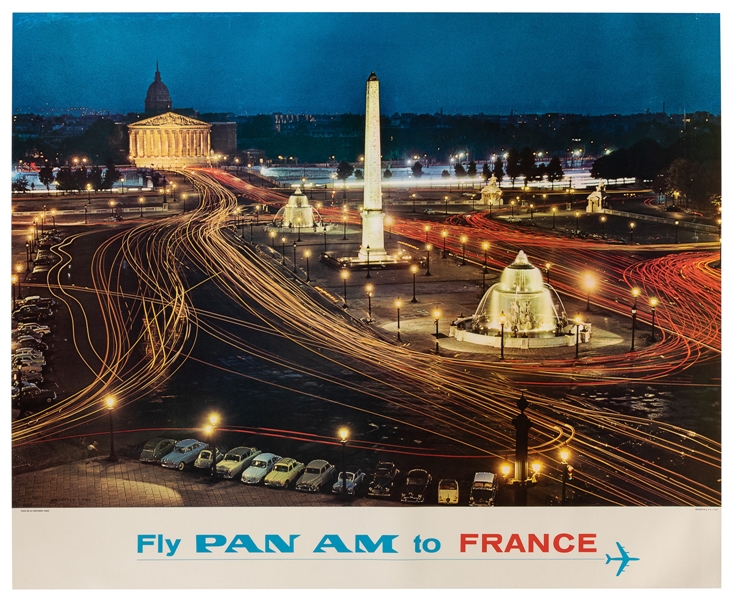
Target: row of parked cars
[(44, 258), (28, 353), (252, 466)]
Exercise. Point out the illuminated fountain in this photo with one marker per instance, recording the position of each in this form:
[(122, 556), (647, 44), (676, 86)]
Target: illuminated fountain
[(528, 312), (298, 213)]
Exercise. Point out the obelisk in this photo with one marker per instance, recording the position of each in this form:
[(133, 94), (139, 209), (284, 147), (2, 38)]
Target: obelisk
[(372, 216)]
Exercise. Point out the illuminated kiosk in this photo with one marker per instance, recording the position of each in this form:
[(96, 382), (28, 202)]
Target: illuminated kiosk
[(299, 215), (529, 312), (491, 194), (372, 253)]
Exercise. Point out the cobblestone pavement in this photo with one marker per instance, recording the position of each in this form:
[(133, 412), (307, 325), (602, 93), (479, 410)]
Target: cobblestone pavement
[(128, 483)]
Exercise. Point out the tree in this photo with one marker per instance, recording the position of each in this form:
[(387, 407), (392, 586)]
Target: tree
[(446, 173), (472, 169), (95, 178), (459, 170), (486, 173), (111, 175), (65, 180), (527, 164), (387, 173), (46, 176), (358, 174), (554, 171), (343, 172), (417, 169), (20, 184), (498, 170), (513, 169)]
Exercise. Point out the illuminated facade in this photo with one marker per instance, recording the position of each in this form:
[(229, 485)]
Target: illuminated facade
[(169, 140)]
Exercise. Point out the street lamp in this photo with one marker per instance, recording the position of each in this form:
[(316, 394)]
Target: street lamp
[(18, 270), (173, 186), (283, 249), (112, 204), (110, 407), (676, 223), (398, 305), (343, 433), (345, 219), (88, 193), (554, 215), (589, 284), (719, 228), (632, 227), (653, 302), (185, 197), (299, 224), (426, 234), (141, 200), (389, 222), (547, 266), (603, 218), (13, 286), (344, 276), (463, 240), (446, 199), (53, 217), (429, 250), (502, 319), (369, 290), (294, 257), (513, 203), (634, 313), (307, 265), (210, 429), (531, 210), (444, 243), (486, 246), (576, 221), (577, 321), (368, 262), (566, 473), (436, 315), (414, 270)]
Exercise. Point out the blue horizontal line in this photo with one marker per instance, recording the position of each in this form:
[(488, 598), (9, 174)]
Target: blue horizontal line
[(362, 558)]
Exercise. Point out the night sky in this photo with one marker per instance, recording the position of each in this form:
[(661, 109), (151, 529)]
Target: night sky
[(318, 63)]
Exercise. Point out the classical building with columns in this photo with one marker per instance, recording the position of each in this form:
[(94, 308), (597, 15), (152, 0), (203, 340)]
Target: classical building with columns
[(169, 140)]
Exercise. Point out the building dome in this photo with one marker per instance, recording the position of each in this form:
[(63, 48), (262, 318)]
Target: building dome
[(158, 96)]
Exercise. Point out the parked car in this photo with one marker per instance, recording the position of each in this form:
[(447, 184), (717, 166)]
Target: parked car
[(27, 352), (259, 468), (37, 301), (45, 259), (236, 460), (205, 458), (415, 488), (156, 448), (34, 328), (27, 360), (285, 471), (32, 313), (384, 478), (355, 479), (183, 454), (29, 376), (15, 389), (316, 474), (483, 490), (448, 491), (27, 341), (34, 397), (16, 334), (26, 368), (429, 211)]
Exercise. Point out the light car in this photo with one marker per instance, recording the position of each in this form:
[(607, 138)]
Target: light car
[(354, 481), (415, 488), (259, 468), (26, 368), (29, 352), (156, 448), (316, 474), (34, 328), (483, 491), (39, 363), (235, 461), (184, 453), (448, 491), (205, 458), (285, 472), (382, 483)]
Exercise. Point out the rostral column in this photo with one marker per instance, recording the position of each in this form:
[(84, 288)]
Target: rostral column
[(372, 216)]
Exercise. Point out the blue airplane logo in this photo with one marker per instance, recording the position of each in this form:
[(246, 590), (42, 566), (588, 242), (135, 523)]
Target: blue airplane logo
[(624, 559)]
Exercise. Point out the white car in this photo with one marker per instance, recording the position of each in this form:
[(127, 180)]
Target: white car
[(259, 468), (205, 458), (29, 352), (34, 328), (235, 461), (448, 491)]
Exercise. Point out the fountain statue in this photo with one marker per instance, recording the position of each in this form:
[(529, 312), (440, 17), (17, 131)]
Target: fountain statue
[(298, 213), (492, 194), (594, 200)]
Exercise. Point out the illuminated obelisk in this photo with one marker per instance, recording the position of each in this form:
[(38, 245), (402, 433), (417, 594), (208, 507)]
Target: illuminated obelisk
[(372, 216)]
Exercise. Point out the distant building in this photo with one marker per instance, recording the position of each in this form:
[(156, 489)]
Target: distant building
[(169, 140), (223, 138), (158, 97)]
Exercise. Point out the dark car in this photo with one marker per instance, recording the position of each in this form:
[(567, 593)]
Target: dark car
[(32, 313), (33, 398), (415, 488), (156, 448), (28, 341), (382, 483)]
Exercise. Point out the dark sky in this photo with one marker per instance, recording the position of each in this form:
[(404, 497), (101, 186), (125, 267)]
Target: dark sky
[(298, 62)]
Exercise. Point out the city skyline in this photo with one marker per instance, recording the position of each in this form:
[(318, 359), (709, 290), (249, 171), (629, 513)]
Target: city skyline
[(426, 62)]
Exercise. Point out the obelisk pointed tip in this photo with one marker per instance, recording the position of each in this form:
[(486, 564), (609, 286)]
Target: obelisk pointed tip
[(372, 77)]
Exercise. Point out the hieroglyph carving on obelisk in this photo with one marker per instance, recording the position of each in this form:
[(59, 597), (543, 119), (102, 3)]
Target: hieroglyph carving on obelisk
[(372, 215)]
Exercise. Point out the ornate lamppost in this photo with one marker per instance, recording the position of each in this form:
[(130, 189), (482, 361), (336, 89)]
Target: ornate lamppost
[(344, 276), (589, 284), (502, 319), (414, 269), (283, 249), (436, 315), (368, 262), (547, 266), (634, 314), (603, 218), (141, 201), (486, 246), (429, 251), (369, 290), (213, 421), (676, 226), (577, 321), (110, 401), (398, 305), (343, 433), (294, 257), (653, 302), (554, 215), (444, 243), (567, 472), (463, 240), (522, 480), (307, 265), (632, 228), (446, 199), (426, 234)]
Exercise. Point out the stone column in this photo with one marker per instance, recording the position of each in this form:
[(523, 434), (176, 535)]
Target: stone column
[(372, 215)]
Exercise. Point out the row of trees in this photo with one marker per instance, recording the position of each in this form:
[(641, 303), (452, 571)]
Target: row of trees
[(70, 180)]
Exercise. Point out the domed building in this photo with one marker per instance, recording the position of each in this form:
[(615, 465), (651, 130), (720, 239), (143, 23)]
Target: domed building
[(158, 97)]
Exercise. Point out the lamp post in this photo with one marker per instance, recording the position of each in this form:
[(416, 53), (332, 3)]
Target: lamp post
[(426, 234), (345, 219), (414, 269), (343, 433), (719, 228), (213, 421), (547, 266), (13, 284), (653, 302), (444, 243), (18, 270), (463, 240), (589, 283), (307, 265), (502, 319), (577, 321), (53, 218), (398, 305), (429, 250), (446, 199), (184, 196), (88, 193), (256, 213), (86, 220), (634, 313), (389, 222), (603, 218), (110, 401), (369, 290), (513, 203), (294, 257), (173, 186), (531, 211), (344, 276), (283, 249), (368, 262), (566, 473), (676, 224), (485, 245), (141, 201), (521, 478), (576, 221), (299, 224), (436, 315), (325, 239), (27, 255), (632, 228), (554, 215), (272, 236)]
